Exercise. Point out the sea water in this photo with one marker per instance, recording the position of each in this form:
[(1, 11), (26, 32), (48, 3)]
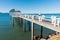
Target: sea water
[(8, 32)]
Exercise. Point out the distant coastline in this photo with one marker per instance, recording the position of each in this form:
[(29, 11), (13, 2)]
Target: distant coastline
[(3, 13)]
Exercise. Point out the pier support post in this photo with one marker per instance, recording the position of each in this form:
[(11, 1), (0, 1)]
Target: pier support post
[(24, 25), (29, 25), (41, 34), (32, 31), (12, 21), (20, 21)]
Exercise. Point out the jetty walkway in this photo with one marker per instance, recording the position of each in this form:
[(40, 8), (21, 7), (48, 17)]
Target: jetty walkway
[(37, 21)]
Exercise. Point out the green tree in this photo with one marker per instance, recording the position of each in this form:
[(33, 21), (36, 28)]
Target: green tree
[(12, 10)]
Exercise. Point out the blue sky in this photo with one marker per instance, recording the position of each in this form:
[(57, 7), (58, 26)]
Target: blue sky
[(31, 6)]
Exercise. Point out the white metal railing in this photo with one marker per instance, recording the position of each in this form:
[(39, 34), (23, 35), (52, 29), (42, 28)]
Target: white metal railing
[(58, 22), (54, 20)]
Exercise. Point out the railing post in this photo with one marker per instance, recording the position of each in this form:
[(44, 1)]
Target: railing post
[(58, 21), (40, 18), (32, 16), (25, 15), (28, 16), (43, 17), (54, 20)]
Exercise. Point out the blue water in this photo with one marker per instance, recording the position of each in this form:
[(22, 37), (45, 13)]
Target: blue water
[(49, 15), (7, 30), (4, 19)]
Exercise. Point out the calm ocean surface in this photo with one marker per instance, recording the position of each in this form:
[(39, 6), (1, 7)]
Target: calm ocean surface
[(8, 32)]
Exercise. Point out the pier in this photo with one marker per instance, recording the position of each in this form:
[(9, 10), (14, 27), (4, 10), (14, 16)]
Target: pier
[(39, 22), (43, 23)]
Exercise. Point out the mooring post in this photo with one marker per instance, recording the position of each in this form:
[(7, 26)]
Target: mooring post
[(32, 31), (24, 25), (41, 34)]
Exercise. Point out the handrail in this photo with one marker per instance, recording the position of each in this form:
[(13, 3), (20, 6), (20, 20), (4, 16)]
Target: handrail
[(53, 19)]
